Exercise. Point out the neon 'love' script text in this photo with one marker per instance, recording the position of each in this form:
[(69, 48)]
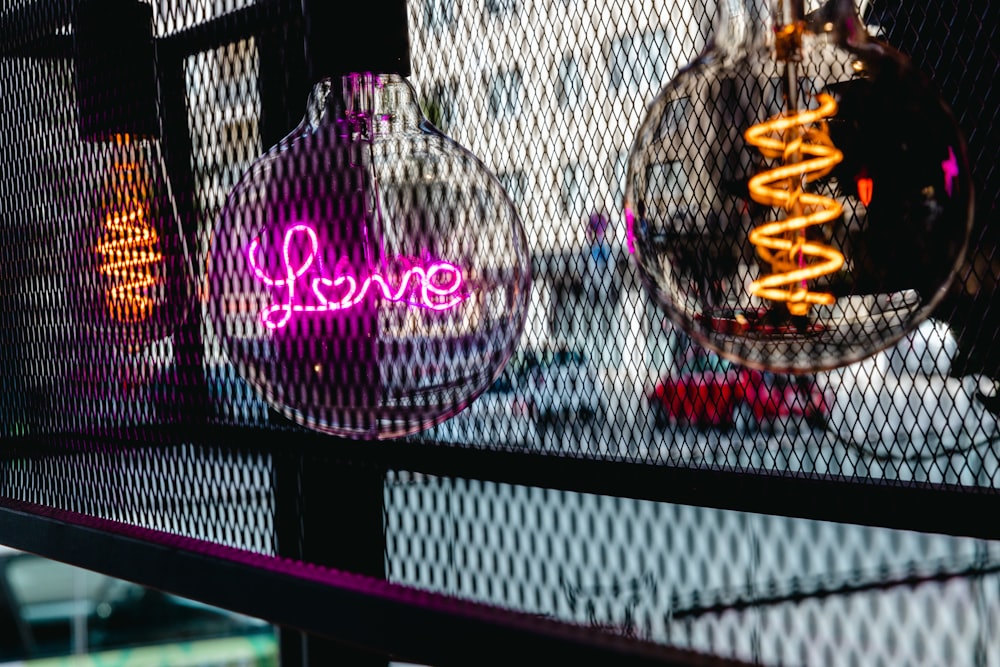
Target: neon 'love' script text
[(435, 286)]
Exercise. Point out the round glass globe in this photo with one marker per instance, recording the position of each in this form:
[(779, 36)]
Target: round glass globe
[(798, 197), (368, 275)]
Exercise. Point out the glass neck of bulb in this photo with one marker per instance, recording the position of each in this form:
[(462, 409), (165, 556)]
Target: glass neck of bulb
[(747, 25), (369, 105), (742, 25)]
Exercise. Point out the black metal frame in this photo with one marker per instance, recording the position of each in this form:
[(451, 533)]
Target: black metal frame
[(356, 611), (352, 606), (927, 507)]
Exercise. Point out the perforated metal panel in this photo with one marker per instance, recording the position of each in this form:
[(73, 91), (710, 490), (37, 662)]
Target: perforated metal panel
[(578, 487)]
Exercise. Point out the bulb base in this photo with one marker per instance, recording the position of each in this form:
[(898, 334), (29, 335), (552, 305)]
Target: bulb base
[(115, 72)]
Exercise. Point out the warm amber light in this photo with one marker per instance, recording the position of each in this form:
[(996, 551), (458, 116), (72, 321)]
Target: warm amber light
[(129, 247), (802, 142)]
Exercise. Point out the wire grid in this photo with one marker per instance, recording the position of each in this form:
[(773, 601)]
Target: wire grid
[(920, 411), (549, 98), (595, 350), (760, 588)]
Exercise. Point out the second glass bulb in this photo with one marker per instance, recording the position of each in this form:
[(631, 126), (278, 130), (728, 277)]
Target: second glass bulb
[(368, 275), (798, 197)]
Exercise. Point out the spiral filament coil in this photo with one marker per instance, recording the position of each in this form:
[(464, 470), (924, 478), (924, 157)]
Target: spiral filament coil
[(129, 247), (802, 141)]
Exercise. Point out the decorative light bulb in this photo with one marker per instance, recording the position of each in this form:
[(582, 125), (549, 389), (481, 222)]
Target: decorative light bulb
[(139, 271), (135, 276), (798, 197), (367, 275), (129, 248)]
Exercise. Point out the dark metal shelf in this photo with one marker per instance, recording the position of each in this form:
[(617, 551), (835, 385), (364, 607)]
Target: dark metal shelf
[(400, 622), (928, 507)]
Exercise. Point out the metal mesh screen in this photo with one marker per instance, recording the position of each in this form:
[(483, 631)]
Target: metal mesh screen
[(120, 398), (915, 412), (760, 588)]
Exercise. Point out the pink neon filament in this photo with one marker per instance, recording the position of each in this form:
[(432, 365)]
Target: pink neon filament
[(630, 230), (950, 169), (416, 280)]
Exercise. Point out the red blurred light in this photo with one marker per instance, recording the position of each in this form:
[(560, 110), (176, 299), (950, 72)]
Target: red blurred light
[(865, 190)]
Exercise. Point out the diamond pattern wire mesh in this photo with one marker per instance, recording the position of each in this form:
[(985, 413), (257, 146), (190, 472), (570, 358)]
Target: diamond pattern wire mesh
[(548, 95), (762, 588), (913, 413)]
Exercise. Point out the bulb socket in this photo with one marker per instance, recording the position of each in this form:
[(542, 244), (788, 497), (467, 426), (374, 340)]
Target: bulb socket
[(329, 50), (115, 70)]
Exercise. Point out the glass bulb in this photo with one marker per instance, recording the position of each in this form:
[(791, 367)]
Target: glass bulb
[(138, 248), (368, 275), (798, 197)]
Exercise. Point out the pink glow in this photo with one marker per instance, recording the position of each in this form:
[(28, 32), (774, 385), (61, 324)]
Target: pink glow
[(950, 169), (422, 292), (630, 230)]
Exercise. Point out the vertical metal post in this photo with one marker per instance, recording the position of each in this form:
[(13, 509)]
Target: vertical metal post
[(189, 403), (328, 511), (282, 80)]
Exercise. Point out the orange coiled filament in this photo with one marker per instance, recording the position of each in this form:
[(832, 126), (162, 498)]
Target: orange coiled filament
[(130, 251), (802, 142)]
